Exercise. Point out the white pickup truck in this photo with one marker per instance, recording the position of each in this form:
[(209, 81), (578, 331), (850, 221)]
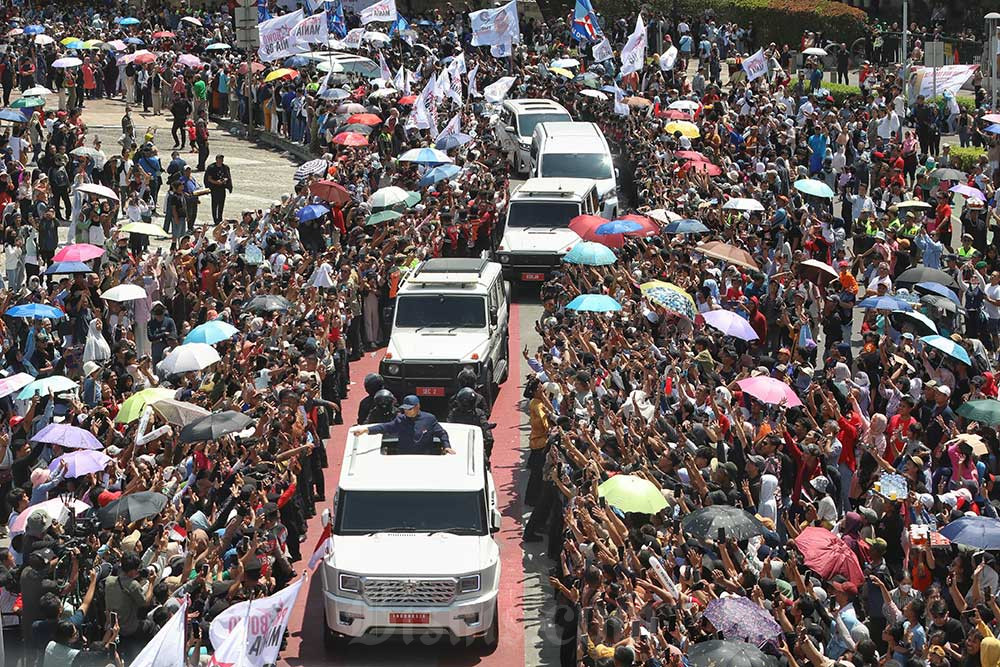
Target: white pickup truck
[(412, 550)]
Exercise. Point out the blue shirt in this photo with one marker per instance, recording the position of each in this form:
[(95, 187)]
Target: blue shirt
[(415, 436)]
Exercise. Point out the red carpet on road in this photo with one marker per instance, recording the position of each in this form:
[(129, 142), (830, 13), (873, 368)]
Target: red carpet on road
[(305, 641)]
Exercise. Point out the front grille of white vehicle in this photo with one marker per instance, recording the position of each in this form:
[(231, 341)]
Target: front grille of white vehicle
[(409, 592)]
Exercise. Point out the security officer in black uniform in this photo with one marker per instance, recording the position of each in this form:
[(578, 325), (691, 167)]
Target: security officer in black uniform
[(373, 383), (464, 410), (383, 408), (467, 380)]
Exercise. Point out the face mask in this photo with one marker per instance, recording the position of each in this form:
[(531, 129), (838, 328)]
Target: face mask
[(905, 589)]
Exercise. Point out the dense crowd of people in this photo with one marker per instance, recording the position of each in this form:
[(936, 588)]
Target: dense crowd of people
[(809, 493)]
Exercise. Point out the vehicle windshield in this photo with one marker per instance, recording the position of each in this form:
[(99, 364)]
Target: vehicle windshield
[(364, 512), (441, 310), (577, 165), (526, 122), (541, 213)]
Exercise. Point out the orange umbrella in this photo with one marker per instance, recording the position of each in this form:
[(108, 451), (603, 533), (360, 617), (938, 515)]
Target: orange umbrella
[(163, 34), (407, 100), (364, 119), (351, 139), (330, 191), (586, 226), (728, 253)]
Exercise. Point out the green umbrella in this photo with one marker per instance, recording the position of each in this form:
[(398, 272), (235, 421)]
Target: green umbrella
[(383, 216), (985, 411), (412, 199), (27, 102), (632, 494), (133, 406)]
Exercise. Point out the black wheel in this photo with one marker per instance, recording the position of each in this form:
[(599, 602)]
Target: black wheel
[(491, 639)]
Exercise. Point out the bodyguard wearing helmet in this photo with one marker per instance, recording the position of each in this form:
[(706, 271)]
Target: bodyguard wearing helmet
[(373, 384), (464, 409), (383, 408), (467, 379)]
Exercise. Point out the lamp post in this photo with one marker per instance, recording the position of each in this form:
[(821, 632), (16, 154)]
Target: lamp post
[(992, 20), (904, 51)]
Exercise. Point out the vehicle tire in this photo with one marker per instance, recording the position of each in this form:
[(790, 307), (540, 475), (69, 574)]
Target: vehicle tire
[(489, 387), (491, 639), (506, 358)]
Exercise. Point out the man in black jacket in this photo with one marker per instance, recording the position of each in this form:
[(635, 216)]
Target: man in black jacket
[(219, 181), (180, 110)]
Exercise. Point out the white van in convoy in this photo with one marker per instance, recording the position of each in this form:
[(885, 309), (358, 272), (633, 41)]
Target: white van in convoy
[(535, 234), (576, 150), (517, 122), (412, 551)]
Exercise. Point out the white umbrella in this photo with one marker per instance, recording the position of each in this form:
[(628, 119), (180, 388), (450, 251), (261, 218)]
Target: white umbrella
[(189, 357), (192, 20), (56, 509), (663, 216), (43, 40), (565, 62), (743, 204), (815, 51), (384, 92), (376, 37), (179, 413), (67, 62), (596, 94), (36, 90), (124, 292), (99, 190), (684, 105), (388, 196)]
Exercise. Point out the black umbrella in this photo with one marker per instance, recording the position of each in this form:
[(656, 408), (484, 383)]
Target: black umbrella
[(739, 524), (719, 653), (922, 328), (214, 426), (357, 127), (946, 174), (921, 274), (268, 303), (132, 508), (942, 303)]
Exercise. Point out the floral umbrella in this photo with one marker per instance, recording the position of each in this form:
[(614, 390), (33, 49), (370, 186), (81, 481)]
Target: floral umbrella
[(742, 618)]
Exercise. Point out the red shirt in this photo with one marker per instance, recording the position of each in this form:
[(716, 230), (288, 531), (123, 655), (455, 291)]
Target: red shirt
[(894, 435)]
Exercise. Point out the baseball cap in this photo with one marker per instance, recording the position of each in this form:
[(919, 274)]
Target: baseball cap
[(944, 389), (410, 401), (757, 460), (878, 544)]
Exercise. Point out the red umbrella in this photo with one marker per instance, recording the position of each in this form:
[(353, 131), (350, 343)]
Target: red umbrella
[(828, 555), (674, 114), (704, 167), (364, 119), (330, 191), (351, 139), (145, 58), (648, 226), (691, 155), (163, 34), (585, 227), (256, 67), (407, 100)]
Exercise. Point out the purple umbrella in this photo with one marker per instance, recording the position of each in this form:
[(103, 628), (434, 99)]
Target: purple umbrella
[(730, 324), (968, 191), (81, 463), (742, 618), (69, 437)]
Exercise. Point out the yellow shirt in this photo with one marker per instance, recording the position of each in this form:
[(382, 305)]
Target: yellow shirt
[(539, 419)]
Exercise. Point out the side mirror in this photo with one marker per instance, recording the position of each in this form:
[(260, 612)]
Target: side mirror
[(495, 521), (493, 317), (326, 518), (510, 129)]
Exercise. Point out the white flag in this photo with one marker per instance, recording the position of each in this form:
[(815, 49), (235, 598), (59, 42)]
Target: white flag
[(755, 66), (383, 11), (458, 64), (421, 116), (634, 52), (455, 84), (502, 50), (497, 91), (454, 126), (233, 651), (266, 620), (495, 26), (312, 29), (473, 91), (276, 39), (352, 40), (383, 66), (602, 51), (402, 81), (668, 59), (166, 648), (325, 86), (620, 107), (441, 85)]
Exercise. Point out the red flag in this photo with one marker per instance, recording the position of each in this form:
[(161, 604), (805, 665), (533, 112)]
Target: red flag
[(321, 548)]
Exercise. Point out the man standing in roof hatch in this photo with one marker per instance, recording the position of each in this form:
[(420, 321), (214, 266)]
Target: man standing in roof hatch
[(414, 429)]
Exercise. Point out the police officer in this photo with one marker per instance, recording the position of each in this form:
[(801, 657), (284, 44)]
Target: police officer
[(373, 383), (383, 408), (464, 410), (415, 430), (467, 380)]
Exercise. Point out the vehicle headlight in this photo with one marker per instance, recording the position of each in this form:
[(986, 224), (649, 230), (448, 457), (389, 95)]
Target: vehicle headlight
[(469, 584), (393, 369), (349, 583), (505, 259)]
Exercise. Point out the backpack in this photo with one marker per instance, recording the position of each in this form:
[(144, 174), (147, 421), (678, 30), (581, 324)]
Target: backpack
[(59, 178)]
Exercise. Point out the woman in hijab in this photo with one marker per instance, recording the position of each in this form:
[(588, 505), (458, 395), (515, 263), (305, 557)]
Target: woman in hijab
[(767, 506), (850, 533), (96, 347)]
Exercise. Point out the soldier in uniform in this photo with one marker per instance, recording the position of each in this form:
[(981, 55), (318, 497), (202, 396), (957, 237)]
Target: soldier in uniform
[(465, 409)]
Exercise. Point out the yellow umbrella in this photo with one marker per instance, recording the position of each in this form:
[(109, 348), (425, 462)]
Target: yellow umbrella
[(280, 73), (146, 228), (689, 130), (561, 71), (645, 287), (92, 44), (66, 40)]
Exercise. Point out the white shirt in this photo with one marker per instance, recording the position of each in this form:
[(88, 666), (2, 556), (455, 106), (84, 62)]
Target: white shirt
[(899, 105), (888, 125), (993, 311), (17, 146)]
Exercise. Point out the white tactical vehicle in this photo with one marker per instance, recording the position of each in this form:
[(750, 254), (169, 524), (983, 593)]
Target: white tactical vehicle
[(451, 314), (412, 550)]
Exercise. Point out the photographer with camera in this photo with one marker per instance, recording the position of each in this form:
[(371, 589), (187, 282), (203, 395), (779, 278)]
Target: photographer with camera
[(128, 594)]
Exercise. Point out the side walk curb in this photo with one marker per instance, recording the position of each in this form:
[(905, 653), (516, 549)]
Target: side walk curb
[(265, 138)]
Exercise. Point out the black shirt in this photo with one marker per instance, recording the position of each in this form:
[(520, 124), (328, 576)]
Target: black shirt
[(216, 172)]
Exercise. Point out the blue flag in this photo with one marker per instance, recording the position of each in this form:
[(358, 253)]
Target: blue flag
[(335, 18), (262, 12), (585, 25), (399, 26)]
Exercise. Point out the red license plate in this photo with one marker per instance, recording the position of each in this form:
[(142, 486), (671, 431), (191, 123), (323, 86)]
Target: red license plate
[(532, 276), (430, 391), (409, 619)]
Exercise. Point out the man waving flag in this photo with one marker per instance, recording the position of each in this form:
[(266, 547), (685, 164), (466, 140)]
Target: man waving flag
[(585, 25)]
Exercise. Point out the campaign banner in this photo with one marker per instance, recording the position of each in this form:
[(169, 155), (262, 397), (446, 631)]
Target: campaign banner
[(353, 38), (634, 52), (383, 11), (602, 51), (668, 59), (948, 79), (497, 91), (755, 66), (265, 621), (313, 29), (491, 27), (276, 39)]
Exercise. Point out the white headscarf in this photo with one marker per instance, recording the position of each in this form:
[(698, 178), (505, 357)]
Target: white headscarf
[(767, 506), (96, 347)]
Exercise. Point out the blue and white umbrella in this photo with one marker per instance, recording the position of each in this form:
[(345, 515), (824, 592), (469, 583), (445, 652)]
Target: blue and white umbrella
[(589, 253), (439, 174), (312, 212), (672, 300), (335, 94), (617, 227), (34, 29), (949, 347), (54, 383), (594, 303), (67, 267), (940, 290), (425, 156), (35, 310), (218, 46), (134, 40), (452, 141), (211, 332), (685, 227), (12, 115), (885, 303)]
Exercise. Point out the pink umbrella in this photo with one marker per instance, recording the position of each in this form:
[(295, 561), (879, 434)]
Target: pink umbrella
[(56, 509), (117, 45), (828, 555), (189, 60), (16, 382), (768, 390), (78, 252), (730, 324), (81, 462), (968, 191)]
